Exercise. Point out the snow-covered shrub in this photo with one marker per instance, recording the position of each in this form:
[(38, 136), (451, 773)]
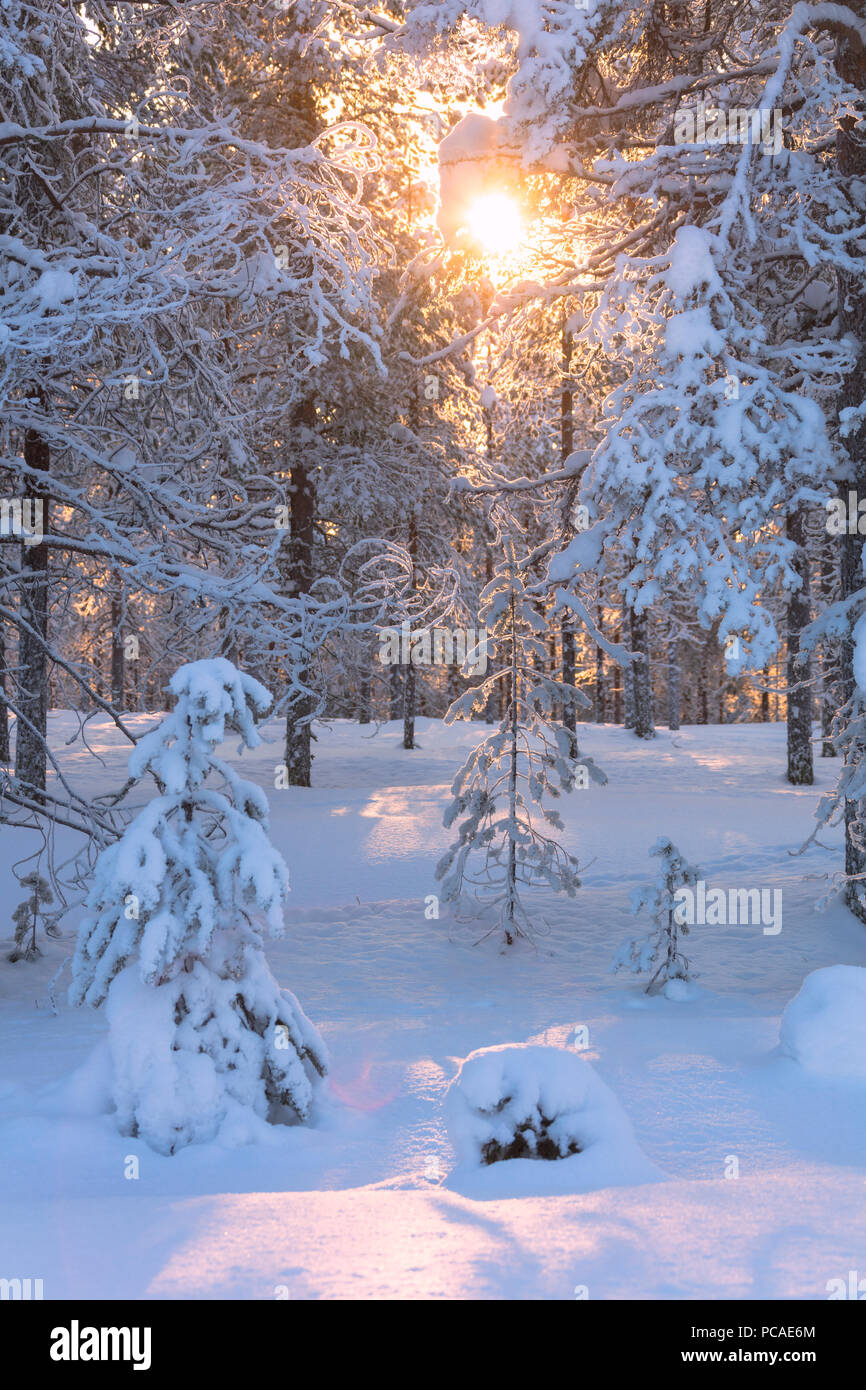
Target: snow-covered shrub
[(659, 950), (824, 1026), (172, 941), (528, 1101)]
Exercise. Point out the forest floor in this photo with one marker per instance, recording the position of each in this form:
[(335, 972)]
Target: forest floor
[(362, 1205)]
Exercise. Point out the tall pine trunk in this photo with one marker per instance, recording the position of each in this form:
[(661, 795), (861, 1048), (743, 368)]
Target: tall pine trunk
[(617, 683), (118, 664), (566, 447), (32, 677), (829, 648), (395, 692), (569, 668), (674, 681), (641, 676), (600, 674), (765, 697), (628, 696), (511, 882), (704, 666), (490, 710), (410, 700), (851, 164), (410, 680), (299, 579), (364, 687), (798, 670), (4, 710)]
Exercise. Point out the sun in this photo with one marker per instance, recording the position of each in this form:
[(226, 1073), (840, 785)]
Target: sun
[(494, 222)]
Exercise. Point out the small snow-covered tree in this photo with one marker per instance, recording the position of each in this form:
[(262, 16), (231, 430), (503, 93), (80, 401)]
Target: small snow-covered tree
[(659, 950), (28, 914), (199, 1030), (503, 784)]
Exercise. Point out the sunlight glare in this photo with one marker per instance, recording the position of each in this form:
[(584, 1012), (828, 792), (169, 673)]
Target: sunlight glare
[(494, 222)]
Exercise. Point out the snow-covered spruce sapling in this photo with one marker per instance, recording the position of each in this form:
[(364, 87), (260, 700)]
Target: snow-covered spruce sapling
[(28, 915), (659, 950), (200, 1033), (503, 785)]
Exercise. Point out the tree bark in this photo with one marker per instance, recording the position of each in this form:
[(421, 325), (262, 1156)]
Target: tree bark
[(364, 687), (32, 681), (798, 669), (395, 692), (511, 928), (674, 682), (410, 693), (566, 447), (765, 697), (118, 664), (600, 674), (628, 696), (703, 715), (617, 683), (851, 163), (299, 756), (410, 680), (569, 667), (5, 756), (642, 676), (829, 649), (489, 707)]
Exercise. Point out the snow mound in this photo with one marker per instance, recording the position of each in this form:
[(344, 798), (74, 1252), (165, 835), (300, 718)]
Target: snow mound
[(824, 1026), (683, 991), (510, 1106)]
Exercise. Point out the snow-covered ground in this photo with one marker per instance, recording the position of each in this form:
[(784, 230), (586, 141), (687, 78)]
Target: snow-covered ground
[(366, 1204)]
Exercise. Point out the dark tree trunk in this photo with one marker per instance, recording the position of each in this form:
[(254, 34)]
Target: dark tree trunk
[(410, 682), (452, 683), (798, 672), (674, 680), (600, 675), (511, 928), (490, 705), (299, 576), (569, 667), (829, 649), (5, 756), (851, 164), (703, 699), (642, 691), (566, 447), (395, 692), (364, 688), (32, 680), (617, 683), (410, 693), (628, 696), (118, 665), (703, 715)]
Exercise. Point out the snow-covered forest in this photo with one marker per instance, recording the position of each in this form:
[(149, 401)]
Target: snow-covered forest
[(433, 649)]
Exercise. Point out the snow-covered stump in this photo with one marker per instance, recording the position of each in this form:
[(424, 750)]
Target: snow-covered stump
[(525, 1110), (201, 1036), (824, 1026)]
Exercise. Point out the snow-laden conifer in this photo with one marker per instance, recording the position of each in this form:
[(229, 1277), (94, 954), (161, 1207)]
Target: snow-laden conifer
[(172, 941), (659, 950), (503, 788)]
